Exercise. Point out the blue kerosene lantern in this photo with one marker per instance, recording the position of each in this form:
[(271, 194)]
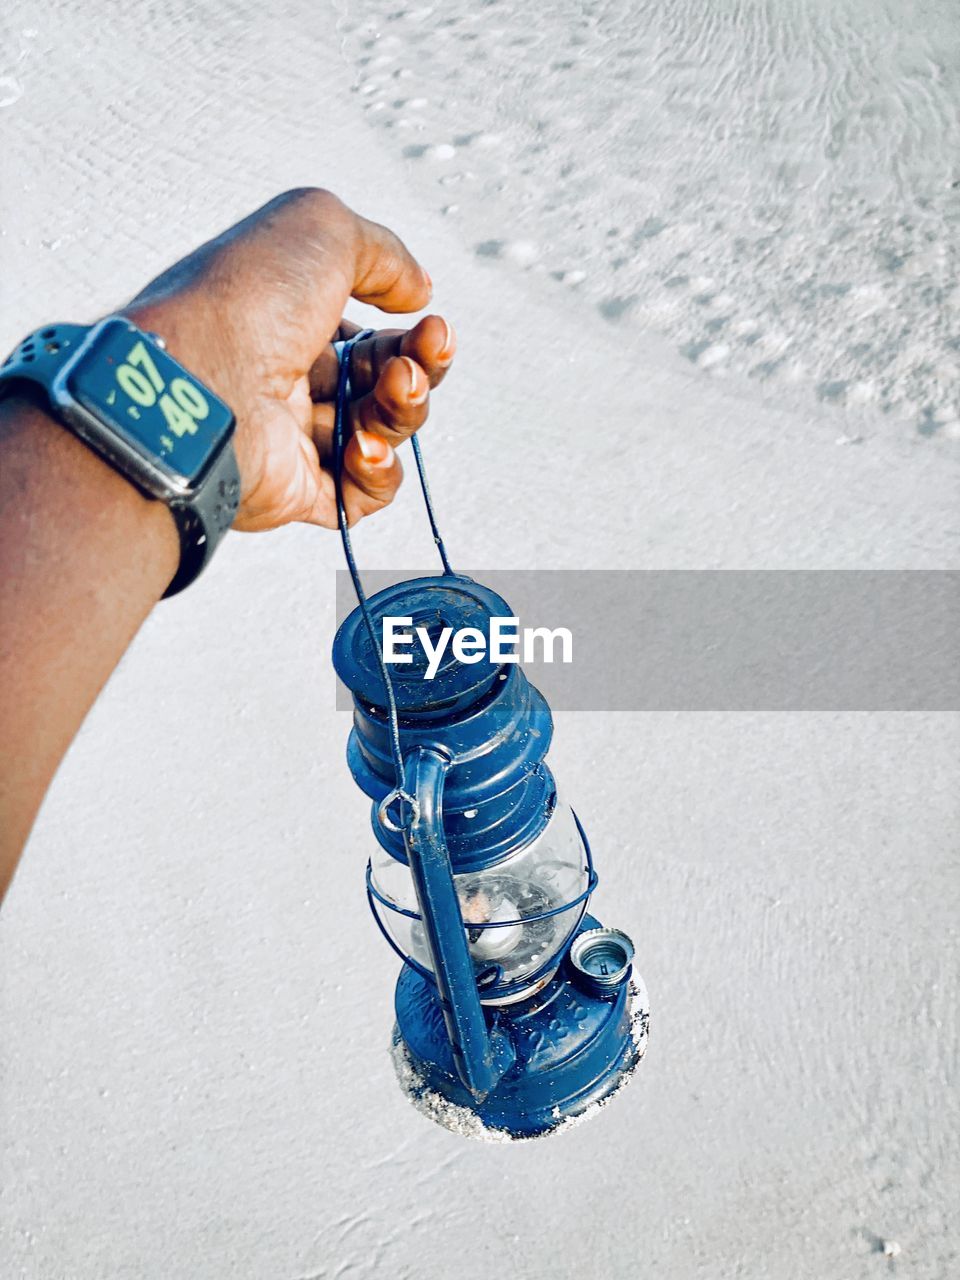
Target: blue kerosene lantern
[(515, 1009)]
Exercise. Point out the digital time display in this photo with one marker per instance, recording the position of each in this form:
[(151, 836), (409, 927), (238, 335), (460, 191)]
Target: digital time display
[(149, 399)]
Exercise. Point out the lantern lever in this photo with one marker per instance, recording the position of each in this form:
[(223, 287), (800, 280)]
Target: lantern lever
[(482, 1055)]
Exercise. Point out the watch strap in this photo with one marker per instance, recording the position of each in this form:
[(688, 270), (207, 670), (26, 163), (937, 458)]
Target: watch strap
[(203, 519), (202, 522), (38, 358)]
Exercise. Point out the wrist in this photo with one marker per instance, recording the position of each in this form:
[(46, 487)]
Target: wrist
[(186, 334), (163, 429), (188, 326), (68, 502)]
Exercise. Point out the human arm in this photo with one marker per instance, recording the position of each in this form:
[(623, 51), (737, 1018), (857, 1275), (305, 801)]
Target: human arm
[(85, 557)]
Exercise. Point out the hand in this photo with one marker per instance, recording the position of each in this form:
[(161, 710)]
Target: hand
[(254, 314)]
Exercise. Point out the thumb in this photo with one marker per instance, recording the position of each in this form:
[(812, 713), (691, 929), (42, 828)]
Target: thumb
[(374, 264)]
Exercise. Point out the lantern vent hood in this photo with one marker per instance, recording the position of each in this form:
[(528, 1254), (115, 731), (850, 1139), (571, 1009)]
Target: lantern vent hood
[(431, 603)]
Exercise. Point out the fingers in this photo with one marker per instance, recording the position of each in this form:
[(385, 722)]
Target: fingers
[(371, 475), (394, 410), (432, 343), (392, 374), (397, 406)]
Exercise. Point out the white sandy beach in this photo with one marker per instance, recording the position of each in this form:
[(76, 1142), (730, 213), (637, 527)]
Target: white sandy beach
[(196, 1007)]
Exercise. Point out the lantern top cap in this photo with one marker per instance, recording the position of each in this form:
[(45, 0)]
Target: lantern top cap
[(433, 604)]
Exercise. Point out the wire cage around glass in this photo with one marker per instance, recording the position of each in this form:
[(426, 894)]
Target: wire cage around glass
[(518, 914)]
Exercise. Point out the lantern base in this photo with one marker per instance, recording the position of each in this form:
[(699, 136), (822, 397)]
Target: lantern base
[(574, 1051)]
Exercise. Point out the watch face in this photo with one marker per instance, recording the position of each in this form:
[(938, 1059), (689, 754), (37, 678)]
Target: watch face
[(151, 401)]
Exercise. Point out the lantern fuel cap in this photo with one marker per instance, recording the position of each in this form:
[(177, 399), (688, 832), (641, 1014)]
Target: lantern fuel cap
[(601, 959)]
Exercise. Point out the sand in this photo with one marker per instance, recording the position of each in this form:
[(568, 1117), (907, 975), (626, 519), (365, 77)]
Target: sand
[(196, 1007), (774, 187)]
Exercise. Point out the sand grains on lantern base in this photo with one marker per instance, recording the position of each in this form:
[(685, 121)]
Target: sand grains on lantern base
[(461, 1120)]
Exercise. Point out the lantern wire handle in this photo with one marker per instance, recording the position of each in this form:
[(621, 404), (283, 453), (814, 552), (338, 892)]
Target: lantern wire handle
[(344, 351), (428, 503)]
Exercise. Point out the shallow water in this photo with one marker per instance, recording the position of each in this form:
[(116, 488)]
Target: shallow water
[(775, 187)]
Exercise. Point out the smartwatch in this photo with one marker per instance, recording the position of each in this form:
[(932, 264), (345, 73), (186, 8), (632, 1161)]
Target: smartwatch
[(146, 415)]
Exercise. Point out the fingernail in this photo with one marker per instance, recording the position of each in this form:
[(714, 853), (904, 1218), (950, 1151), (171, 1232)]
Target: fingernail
[(374, 448), (415, 393), (445, 354), (426, 276)]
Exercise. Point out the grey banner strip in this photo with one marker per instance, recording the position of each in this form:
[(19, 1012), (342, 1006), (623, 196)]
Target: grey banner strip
[(729, 640)]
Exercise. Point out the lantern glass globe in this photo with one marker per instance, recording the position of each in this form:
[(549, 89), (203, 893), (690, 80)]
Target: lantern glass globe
[(515, 945)]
